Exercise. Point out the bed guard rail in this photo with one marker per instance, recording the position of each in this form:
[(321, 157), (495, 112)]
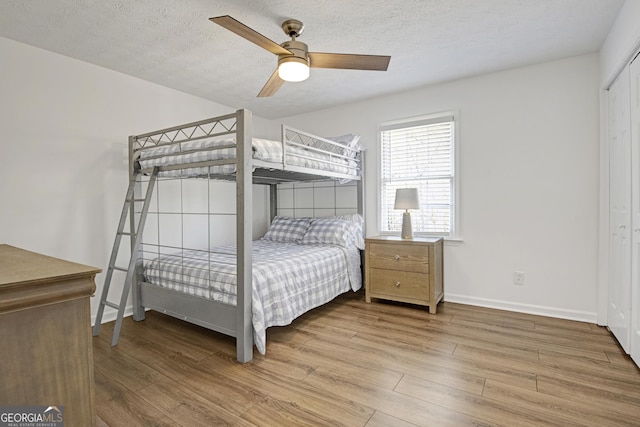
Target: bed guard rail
[(304, 145)]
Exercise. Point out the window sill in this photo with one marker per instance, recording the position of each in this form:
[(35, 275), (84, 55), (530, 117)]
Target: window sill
[(453, 241)]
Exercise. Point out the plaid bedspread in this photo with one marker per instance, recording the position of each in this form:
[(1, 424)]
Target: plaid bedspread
[(262, 149), (289, 279)]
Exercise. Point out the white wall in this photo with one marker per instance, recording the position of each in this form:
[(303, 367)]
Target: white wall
[(64, 126), (529, 181)]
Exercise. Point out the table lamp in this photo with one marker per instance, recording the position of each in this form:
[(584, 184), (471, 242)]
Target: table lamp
[(407, 198)]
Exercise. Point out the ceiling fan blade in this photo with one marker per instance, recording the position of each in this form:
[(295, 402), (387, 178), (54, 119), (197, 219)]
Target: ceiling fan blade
[(250, 34), (271, 87), (349, 61)]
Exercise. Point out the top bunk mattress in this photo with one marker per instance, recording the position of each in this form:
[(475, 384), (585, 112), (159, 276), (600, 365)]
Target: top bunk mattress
[(265, 154)]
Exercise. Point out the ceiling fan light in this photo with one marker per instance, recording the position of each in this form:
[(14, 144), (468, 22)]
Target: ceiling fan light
[(293, 69)]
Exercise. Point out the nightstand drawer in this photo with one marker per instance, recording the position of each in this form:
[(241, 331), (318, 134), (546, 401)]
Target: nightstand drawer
[(399, 284), (398, 257)]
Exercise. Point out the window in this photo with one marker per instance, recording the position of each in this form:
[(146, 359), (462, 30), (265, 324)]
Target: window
[(419, 153)]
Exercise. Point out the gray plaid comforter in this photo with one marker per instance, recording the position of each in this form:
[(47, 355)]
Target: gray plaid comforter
[(262, 149), (289, 279)]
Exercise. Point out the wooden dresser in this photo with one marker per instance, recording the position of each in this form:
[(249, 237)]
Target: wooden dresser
[(45, 334), (406, 270)]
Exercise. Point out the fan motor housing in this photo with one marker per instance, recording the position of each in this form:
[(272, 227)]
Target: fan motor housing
[(298, 50)]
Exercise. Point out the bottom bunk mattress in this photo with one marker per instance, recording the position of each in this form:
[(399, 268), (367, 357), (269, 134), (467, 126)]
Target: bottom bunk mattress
[(289, 279)]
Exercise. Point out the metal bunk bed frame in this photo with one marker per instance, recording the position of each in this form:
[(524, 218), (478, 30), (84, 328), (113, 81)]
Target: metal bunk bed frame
[(227, 319)]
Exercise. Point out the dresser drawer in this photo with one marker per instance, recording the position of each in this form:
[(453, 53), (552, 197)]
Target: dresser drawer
[(398, 257), (396, 283)]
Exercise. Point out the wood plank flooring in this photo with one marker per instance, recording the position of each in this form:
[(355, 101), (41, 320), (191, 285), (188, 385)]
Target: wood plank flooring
[(382, 364)]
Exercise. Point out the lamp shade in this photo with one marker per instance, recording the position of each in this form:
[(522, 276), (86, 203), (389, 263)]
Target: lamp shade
[(407, 198)]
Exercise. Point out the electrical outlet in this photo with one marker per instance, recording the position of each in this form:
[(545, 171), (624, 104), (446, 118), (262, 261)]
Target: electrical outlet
[(518, 278)]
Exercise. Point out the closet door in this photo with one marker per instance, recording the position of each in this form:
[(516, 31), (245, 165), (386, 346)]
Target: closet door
[(619, 304), (634, 79)]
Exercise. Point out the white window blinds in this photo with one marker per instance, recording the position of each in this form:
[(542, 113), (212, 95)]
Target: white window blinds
[(419, 154)]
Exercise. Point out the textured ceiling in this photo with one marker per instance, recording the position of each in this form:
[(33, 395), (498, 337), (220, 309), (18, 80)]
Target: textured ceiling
[(172, 42)]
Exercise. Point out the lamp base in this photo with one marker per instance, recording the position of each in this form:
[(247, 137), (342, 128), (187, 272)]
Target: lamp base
[(407, 232)]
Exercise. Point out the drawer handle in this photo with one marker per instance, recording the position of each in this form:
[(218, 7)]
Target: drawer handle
[(397, 257), (397, 284)]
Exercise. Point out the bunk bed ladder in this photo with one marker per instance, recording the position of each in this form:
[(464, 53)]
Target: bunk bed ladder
[(136, 237)]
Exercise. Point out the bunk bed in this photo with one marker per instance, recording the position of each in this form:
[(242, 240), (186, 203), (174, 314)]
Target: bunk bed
[(230, 288)]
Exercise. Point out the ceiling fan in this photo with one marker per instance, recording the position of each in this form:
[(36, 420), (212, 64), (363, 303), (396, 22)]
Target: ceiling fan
[(294, 59)]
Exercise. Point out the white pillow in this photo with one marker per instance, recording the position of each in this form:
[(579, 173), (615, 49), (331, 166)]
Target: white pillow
[(351, 142)]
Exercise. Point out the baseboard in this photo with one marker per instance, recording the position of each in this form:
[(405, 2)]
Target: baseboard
[(581, 316), (110, 315)]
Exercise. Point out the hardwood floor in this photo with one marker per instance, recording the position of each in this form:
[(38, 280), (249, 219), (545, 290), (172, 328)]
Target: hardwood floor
[(381, 364)]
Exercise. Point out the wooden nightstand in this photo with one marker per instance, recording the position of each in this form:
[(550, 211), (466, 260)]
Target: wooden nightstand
[(406, 270)]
